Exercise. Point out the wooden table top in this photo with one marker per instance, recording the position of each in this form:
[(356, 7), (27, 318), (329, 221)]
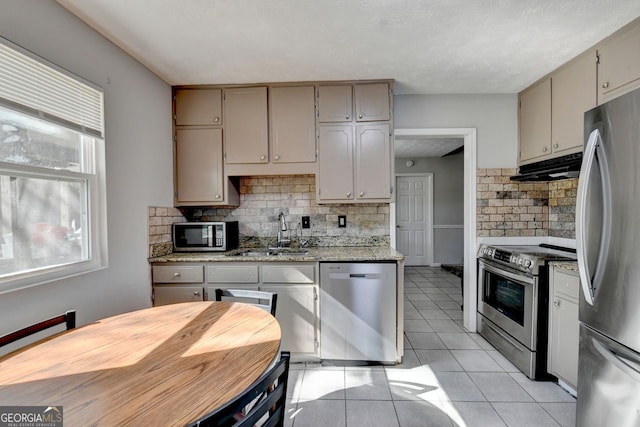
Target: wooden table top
[(162, 366)]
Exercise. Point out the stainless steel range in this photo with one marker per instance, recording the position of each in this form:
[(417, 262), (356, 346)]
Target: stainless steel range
[(513, 302)]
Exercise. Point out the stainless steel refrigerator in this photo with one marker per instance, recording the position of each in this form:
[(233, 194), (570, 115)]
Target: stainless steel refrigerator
[(608, 246)]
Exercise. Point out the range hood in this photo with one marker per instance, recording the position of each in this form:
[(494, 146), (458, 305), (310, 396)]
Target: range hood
[(550, 170)]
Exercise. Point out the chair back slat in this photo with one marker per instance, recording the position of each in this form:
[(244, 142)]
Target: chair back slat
[(68, 318), (265, 300), (271, 391)]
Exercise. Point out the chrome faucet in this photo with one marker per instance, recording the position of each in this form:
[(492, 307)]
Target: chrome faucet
[(282, 240)]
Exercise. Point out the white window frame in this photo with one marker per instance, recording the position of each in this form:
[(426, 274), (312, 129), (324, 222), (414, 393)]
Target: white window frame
[(95, 185)]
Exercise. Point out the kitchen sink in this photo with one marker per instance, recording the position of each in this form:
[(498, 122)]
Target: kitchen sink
[(269, 253)]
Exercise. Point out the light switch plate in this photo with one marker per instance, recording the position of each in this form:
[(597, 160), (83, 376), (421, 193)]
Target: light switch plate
[(306, 223), (342, 221)]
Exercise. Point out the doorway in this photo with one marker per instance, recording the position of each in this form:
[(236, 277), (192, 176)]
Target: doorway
[(469, 251), (414, 222)]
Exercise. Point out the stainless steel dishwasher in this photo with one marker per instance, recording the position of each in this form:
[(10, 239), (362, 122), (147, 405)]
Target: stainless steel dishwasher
[(358, 311)]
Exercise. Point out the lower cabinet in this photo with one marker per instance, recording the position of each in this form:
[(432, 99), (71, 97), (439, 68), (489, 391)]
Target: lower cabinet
[(296, 284), (297, 313), (172, 294), (562, 359)]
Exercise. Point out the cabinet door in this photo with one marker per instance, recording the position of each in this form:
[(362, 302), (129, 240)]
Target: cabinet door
[(573, 92), (246, 126), (164, 295), (373, 162), (198, 163), (293, 124), (564, 327), (297, 314), (372, 102), (335, 175), (619, 65), (335, 103), (535, 122), (198, 107)]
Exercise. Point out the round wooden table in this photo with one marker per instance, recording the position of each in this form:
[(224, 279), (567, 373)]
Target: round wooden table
[(167, 365)]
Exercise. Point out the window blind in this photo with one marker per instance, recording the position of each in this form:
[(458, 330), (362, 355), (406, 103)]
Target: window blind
[(35, 86)]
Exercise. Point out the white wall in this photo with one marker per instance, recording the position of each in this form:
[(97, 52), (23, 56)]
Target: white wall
[(138, 160), (448, 203), (494, 116)]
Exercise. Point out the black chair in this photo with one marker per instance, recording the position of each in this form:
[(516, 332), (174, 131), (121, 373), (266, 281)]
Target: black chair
[(265, 300), (266, 399), (69, 318)]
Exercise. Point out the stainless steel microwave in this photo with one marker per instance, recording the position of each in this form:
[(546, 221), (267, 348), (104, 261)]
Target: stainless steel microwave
[(205, 236)]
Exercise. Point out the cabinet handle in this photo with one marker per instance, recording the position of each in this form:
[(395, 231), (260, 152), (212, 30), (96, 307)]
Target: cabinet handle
[(362, 194), (605, 85), (276, 157), (556, 302), (359, 116), (196, 293), (348, 194), (216, 119), (217, 196), (347, 117), (556, 145), (544, 149), (263, 157), (176, 274)]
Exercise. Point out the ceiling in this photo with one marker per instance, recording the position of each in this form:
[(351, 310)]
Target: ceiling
[(412, 147), (427, 46)]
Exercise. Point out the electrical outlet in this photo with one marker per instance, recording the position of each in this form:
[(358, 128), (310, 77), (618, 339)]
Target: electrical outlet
[(342, 221), (306, 223)]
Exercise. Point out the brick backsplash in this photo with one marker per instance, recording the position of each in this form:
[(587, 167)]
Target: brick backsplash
[(504, 208), (263, 198), (562, 208), (160, 220), (508, 208)]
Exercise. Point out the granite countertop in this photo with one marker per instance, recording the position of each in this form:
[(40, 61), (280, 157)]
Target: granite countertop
[(565, 265), (333, 253)]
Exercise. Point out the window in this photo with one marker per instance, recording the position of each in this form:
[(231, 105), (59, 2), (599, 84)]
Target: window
[(52, 186)]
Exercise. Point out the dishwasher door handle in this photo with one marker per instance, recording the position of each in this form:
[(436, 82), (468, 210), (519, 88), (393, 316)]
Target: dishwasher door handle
[(361, 276)]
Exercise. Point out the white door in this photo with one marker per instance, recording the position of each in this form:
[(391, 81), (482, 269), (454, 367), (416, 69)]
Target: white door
[(414, 221)]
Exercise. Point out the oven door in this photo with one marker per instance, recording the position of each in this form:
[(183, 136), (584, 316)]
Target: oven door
[(509, 299)]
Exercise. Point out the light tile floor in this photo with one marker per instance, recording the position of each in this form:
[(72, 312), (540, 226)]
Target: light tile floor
[(449, 377)]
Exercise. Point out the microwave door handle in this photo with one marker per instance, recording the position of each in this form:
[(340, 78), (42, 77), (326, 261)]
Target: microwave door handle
[(210, 235), (590, 283)]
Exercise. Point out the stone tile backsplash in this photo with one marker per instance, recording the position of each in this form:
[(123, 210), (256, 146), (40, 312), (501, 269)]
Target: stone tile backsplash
[(504, 208), (508, 208), (160, 220), (263, 198), (562, 208)]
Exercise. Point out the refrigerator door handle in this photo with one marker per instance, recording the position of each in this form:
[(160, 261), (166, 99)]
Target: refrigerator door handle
[(629, 367), (589, 282)]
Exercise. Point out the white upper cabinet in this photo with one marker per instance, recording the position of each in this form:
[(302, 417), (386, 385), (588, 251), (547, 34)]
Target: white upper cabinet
[(335, 104), (198, 107), (619, 64), (292, 124), (246, 126), (372, 102)]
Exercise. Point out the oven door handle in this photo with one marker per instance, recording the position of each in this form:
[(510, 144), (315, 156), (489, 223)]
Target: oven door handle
[(524, 280)]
